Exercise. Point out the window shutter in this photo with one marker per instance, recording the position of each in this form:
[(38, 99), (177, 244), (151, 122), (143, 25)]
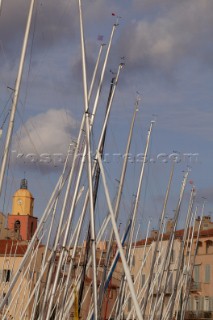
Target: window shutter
[(206, 304), (172, 256), (211, 303), (189, 304), (129, 304), (196, 273), (133, 260), (201, 303), (143, 279), (207, 273), (170, 282), (11, 275)]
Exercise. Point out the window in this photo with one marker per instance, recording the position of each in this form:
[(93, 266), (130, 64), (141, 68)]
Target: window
[(211, 303), (133, 260), (172, 256), (206, 304), (31, 230), (17, 226), (201, 303), (196, 307), (6, 275), (143, 279), (207, 273), (199, 244), (209, 245), (190, 304), (196, 273), (170, 281), (129, 304)]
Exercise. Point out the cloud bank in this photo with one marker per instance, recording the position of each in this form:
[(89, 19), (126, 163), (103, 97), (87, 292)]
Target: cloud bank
[(45, 138), (164, 41)]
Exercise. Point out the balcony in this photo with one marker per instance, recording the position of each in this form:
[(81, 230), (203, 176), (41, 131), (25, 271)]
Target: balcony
[(195, 286), (199, 315)]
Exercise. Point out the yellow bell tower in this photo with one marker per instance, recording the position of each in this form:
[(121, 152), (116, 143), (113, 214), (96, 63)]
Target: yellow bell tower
[(23, 201), (21, 221)]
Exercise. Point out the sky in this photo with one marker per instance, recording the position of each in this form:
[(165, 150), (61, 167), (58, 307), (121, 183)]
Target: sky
[(168, 50)]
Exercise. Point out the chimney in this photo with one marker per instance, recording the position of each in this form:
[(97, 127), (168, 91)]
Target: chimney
[(169, 225), (154, 234)]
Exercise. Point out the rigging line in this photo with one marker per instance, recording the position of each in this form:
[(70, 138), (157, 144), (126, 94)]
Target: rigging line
[(6, 104), (31, 50), (5, 119), (42, 17), (6, 62)]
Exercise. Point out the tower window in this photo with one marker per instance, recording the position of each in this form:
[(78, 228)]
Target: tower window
[(17, 226)]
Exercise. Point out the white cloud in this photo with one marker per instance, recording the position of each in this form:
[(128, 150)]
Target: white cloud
[(163, 41), (48, 133)]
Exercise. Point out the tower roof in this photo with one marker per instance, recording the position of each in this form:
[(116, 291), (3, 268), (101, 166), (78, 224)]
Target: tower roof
[(23, 193), (23, 184), (23, 200)]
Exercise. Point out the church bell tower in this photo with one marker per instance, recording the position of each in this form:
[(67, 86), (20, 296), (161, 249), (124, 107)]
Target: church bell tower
[(21, 221)]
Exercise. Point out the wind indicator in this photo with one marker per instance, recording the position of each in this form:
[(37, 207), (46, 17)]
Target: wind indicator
[(117, 18)]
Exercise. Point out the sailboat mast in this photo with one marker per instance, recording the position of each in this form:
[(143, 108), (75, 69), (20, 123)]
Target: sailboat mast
[(181, 253), (139, 187), (15, 96), (0, 5), (89, 166), (95, 71), (193, 260), (160, 227), (117, 237), (168, 255), (117, 205)]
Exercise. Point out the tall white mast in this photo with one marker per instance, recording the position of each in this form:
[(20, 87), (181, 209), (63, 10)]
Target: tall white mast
[(15, 96), (160, 230), (117, 205), (171, 241), (140, 186), (1, 1), (117, 237)]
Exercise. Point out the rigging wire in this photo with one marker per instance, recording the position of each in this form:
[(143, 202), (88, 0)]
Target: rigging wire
[(4, 108), (30, 56)]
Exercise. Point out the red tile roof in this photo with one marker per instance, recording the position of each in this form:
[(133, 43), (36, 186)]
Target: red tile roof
[(178, 234), (12, 247)]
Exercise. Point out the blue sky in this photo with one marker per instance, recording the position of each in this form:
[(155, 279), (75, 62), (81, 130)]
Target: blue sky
[(168, 50)]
